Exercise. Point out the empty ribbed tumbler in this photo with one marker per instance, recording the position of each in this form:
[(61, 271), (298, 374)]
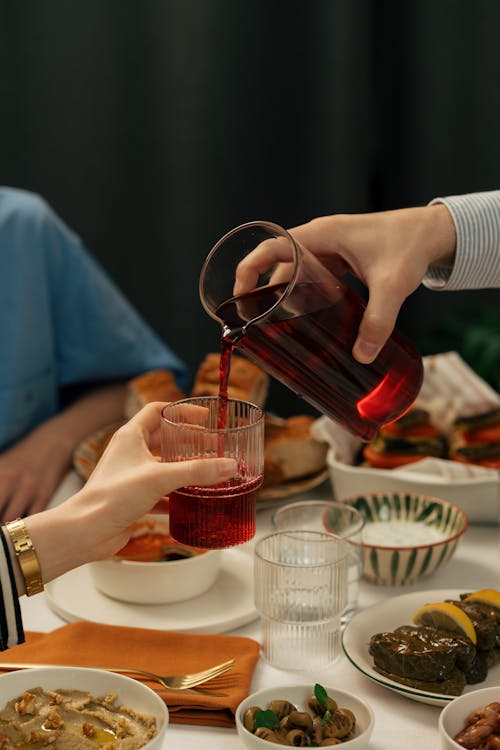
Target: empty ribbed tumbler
[(300, 593), (336, 518)]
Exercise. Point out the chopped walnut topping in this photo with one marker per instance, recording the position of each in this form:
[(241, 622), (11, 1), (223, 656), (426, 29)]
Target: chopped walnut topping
[(37, 736), (26, 704), (55, 698), (53, 720), (88, 729)]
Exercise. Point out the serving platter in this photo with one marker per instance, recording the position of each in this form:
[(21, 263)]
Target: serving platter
[(228, 604), (386, 616)]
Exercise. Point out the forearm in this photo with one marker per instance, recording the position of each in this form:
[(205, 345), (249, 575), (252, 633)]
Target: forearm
[(31, 470), (96, 409), (64, 537)]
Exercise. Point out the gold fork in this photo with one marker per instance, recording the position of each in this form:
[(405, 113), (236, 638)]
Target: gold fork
[(170, 682)]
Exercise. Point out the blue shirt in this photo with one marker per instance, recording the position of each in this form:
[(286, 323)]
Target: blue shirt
[(62, 320)]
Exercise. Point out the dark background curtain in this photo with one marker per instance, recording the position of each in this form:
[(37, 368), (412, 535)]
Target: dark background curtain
[(154, 126)]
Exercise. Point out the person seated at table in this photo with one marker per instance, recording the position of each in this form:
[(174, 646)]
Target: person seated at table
[(69, 341), (451, 244), (93, 524)]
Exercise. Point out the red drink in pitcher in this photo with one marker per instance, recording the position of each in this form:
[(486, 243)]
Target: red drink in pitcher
[(299, 322), (307, 345)]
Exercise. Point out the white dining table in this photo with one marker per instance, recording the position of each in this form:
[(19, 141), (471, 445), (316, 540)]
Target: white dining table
[(399, 721)]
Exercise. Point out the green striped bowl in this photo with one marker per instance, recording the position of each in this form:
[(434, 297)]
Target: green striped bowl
[(392, 563)]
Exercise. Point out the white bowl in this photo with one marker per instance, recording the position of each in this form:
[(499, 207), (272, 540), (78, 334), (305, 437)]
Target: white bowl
[(97, 682), (298, 695), (156, 582), (452, 717), (478, 497)]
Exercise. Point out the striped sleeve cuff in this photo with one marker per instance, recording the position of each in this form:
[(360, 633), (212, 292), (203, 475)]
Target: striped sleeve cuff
[(11, 625), (477, 261)]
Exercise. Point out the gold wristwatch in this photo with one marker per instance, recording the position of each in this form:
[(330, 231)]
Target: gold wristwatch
[(26, 555)]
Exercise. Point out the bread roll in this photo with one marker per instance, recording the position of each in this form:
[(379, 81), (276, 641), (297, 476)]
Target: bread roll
[(155, 385), (247, 381), (289, 450)]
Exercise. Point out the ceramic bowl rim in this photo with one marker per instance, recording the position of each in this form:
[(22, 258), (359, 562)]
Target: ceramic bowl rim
[(422, 496), (159, 563)]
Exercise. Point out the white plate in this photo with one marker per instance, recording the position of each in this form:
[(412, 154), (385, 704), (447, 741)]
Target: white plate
[(388, 615), (228, 604)]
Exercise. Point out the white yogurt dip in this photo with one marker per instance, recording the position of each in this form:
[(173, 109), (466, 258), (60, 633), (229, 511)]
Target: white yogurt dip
[(400, 534)]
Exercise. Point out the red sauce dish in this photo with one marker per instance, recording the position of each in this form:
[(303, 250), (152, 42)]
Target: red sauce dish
[(157, 547)]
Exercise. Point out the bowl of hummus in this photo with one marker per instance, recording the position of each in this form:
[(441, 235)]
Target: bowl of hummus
[(76, 708)]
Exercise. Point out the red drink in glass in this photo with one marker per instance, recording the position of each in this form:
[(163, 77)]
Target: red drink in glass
[(223, 514), (214, 517)]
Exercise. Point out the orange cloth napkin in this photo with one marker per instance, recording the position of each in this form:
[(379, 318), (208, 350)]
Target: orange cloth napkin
[(164, 652)]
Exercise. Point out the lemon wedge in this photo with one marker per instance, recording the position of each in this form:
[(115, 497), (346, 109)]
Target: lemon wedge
[(445, 616), (487, 596)]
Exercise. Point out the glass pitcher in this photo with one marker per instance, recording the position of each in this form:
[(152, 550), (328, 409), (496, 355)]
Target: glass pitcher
[(298, 322)]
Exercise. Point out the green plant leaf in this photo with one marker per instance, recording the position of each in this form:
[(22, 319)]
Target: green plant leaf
[(265, 718), (321, 695)]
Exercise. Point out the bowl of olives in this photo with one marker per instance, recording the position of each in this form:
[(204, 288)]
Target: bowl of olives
[(304, 716)]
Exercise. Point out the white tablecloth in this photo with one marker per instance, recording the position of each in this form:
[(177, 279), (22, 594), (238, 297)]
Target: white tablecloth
[(399, 721)]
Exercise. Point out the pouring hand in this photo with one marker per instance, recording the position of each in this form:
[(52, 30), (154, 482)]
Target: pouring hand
[(388, 251)]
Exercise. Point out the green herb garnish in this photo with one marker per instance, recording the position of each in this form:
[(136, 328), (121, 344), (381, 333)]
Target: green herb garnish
[(265, 718), (321, 695), (322, 698)]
